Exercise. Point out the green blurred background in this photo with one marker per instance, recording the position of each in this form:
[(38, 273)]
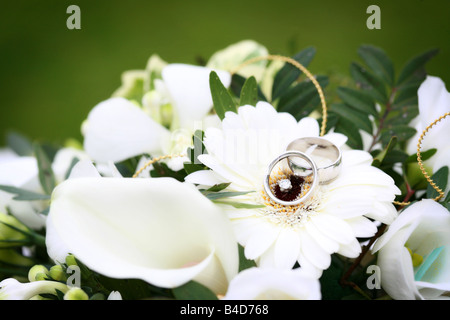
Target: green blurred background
[(52, 76)]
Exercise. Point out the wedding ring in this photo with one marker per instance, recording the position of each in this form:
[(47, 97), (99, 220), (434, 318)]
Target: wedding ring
[(325, 154), (305, 172)]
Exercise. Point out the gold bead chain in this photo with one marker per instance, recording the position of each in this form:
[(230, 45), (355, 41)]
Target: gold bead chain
[(301, 68)]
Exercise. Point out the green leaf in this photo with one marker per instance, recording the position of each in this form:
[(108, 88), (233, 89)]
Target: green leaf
[(358, 118), (289, 73), (192, 167), (24, 195), (351, 131), (357, 99), (369, 83), (380, 64), (378, 160), (415, 66), (440, 178), (424, 155), (162, 170), (300, 100), (219, 187), (244, 263), (402, 132), (227, 194), (249, 92), (193, 291), (222, 99), (19, 144), (237, 82), (198, 147), (46, 175)]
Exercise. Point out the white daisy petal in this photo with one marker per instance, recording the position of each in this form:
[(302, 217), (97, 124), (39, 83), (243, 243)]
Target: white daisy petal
[(286, 249)]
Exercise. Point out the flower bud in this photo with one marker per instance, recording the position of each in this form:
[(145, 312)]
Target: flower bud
[(76, 294), (11, 231), (71, 261), (38, 273), (57, 273)]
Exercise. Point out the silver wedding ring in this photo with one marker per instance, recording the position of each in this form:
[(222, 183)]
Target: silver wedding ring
[(326, 155), (306, 170)]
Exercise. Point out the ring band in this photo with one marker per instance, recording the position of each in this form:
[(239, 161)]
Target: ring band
[(325, 154), (312, 169)]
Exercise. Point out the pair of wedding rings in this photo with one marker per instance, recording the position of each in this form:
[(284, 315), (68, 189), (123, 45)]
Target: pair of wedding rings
[(312, 159)]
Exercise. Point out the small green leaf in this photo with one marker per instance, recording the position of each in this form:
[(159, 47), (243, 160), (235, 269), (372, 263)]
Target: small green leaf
[(423, 155), (19, 144), (378, 160), (244, 263), (222, 99), (380, 64), (415, 65), (192, 167), (227, 194), (249, 92), (237, 82), (193, 291), (369, 83), (46, 175), (163, 170), (219, 187), (289, 73), (440, 178), (301, 99), (358, 118), (24, 195), (351, 131), (402, 132), (357, 99)]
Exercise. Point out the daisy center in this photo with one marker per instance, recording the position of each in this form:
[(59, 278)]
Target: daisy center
[(288, 187)]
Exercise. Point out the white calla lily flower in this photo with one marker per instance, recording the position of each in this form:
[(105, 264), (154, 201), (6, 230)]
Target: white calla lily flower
[(159, 230), (413, 255), (273, 284), (118, 129), (11, 289)]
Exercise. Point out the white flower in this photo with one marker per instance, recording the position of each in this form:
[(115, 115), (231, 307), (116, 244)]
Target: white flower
[(159, 230), (279, 236), (413, 255), (273, 284), (118, 129), (434, 101), (11, 289), (234, 55)]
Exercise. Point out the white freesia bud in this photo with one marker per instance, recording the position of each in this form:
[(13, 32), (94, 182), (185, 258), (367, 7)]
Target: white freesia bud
[(413, 253), (273, 284), (11, 289), (158, 230)]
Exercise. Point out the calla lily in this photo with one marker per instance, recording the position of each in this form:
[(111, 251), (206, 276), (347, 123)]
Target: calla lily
[(434, 102), (413, 253), (118, 129), (159, 230), (273, 284), (11, 289)]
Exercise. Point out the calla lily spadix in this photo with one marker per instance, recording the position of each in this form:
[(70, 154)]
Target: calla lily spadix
[(118, 129), (159, 230), (413, 255), (277, 235)]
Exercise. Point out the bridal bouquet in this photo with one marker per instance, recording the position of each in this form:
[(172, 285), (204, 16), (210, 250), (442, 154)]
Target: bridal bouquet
[(245, 178)]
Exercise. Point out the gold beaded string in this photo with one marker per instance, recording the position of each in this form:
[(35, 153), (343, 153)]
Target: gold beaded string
[(420, 162), (301, 68), (152, 161)]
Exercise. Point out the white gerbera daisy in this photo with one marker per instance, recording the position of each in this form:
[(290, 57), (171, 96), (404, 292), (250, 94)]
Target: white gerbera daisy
[(279, 236)]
